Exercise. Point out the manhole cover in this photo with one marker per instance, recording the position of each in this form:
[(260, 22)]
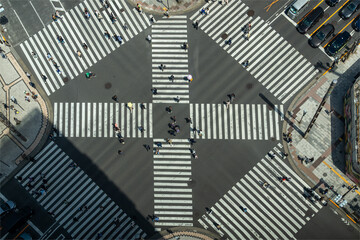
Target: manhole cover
[(65, 79), (250, 13), (224, 36), (108, 85), (249, 86), (324, 174)]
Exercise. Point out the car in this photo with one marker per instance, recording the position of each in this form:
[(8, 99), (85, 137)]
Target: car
[(349, 9), (7, 207), (356, 23), (321, 35), (337, 43), (332, 3), (310, 20)]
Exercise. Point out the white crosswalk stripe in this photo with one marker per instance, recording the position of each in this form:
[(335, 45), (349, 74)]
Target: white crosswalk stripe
[(172, 176), (276, 212), (97, 119), (67, 191), (76, 30), (168, 36), (272, 60), (238, 121)]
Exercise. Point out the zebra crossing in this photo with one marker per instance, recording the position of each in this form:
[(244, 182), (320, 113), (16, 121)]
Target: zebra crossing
[(237, 121), (272, 60), (76, 30), (276, 212), (86, 119), (168, 37), (67, 191), (172, 175)]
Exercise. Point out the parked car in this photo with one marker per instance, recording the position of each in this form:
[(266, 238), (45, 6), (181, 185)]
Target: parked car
[(332, 3), (310, 20), (356, 23), (338, 43), (321, 35), (349, 9), (7, 207)]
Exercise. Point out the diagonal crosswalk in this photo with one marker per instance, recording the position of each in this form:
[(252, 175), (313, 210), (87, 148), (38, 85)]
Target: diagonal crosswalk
[(172, 175), (237, 121), (76, 30), (272, 60), (276, 212), (91, 119), (73, 199), (168, 36)]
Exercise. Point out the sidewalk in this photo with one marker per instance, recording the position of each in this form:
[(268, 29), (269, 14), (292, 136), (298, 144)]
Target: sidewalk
[(324, 142), (23, 115), (173, 6)]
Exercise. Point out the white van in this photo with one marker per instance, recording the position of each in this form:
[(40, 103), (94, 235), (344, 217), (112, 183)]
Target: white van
[(297, 7)]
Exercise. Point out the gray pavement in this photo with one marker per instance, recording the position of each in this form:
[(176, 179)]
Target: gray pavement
[(24, 118), (325, 140)]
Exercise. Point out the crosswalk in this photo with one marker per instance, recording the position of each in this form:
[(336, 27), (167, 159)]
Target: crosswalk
[(168, 36), (69, 190), (76, 30), (96, 119), (172, 175), (272, 60), (237, 121), (276, 212)]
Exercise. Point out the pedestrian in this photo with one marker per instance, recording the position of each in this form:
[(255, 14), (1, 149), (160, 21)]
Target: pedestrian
[(148, 38), (185, 46), (246, 63), (132, 224), (85, 46), (152, 19), (73, 165), (194, 131), (51, 214), (228, 41), (173, 118), (115, 98), (30, 186), (202, 11), (196, 25), (98, 15), (75, 219), (58, 71), (107, 4), (19, 178), (142, 106), (147, 147), (107, 34), (31, 179), (13, 99), (57, 14), (227, 104), (54, 17), (27, 98), (66, 202), (226, 2), (44, 78), (130, 106), (138, 7), (207, 11), (119, 152), (78, 53), (154, 91), (49, 57), (102, 208), (232, 97), (157, 151), (200, 132), (172, 77), (177, 99), (34, 55), (116, 127), (169, 141), (5, 106), (169, 109), (162, 67), (55, 65), (188, 120), (28, 75), (142, 129)]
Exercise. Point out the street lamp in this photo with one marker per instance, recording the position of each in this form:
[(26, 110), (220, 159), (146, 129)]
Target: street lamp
[(304, 113)]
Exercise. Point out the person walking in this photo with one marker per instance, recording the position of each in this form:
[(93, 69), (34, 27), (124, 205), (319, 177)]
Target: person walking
[(162, 67), (79, 53), (246, 63), (227, 104), (142, 106), (44, 77), (107, 34), (188, 120), (34, 55), (169, 109), (141, 129), (172, 77), (147, 147), (154, 91), (115, 98)]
